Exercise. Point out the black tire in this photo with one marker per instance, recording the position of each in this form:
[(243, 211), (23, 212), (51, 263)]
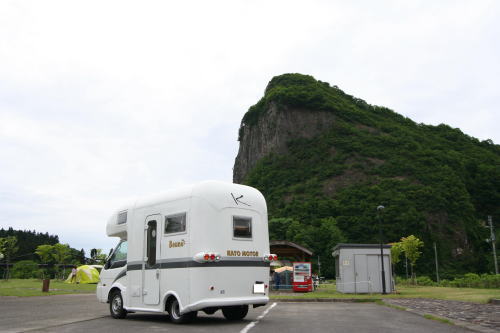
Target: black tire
[(116, 305), (176, 317), (235, 312)]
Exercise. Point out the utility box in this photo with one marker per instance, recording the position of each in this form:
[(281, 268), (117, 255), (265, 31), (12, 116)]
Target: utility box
[(359, 269)]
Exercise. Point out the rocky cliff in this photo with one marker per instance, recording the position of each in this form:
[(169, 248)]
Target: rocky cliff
[(277, 126)]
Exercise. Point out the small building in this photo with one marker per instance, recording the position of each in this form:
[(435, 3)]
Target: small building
[(359, 270), (288, 253)]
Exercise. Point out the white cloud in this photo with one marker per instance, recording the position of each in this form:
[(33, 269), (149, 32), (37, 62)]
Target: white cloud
[(101, 102)]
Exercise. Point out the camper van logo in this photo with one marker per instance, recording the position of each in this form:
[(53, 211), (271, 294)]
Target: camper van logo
[(176, 244), (238, 201), (236, 253)]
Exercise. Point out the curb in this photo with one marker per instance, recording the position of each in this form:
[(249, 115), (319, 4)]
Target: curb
[(326, 300)]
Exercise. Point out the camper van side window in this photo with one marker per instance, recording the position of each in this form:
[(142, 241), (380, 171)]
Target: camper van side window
[(242, 227), (175, 223)]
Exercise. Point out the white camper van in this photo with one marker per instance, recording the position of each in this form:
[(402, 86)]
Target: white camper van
[(203, 247)]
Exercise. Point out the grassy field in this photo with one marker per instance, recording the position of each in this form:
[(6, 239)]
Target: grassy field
[(458, 294), (33, 287)]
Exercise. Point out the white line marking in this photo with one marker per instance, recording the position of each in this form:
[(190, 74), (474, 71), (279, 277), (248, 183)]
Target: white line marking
[(255, 322)]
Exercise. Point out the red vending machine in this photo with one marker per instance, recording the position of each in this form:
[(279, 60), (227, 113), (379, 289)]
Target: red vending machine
[(302, 277)]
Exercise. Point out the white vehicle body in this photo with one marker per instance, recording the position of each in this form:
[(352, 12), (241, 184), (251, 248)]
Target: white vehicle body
[(168, 237)]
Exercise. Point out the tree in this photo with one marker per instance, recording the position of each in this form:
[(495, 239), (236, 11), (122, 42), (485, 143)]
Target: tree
[(8, 248), (96, 256), (81, 256), (61, 254), (46, 254), (411, 246), (396, 251)]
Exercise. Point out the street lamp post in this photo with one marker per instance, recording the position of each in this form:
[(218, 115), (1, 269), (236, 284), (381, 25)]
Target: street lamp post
[(493, 245), (379, 212)]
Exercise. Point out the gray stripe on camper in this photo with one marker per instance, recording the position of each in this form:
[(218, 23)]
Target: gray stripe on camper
[(120, 275), (133, 266), (232, 263), (188, 262), (161, 261)]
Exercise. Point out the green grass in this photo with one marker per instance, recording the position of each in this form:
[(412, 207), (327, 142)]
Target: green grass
[(33, 287), (443, 320), (475, 295)]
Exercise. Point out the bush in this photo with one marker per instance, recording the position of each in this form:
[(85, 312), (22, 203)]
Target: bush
[(469, 280), (425, 281), (25, 269)]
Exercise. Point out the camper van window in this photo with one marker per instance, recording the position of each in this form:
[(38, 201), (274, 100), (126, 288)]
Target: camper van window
[(119, 256), (175, 223), (151, 243), (122, 217), (242, 227), (121, 251)]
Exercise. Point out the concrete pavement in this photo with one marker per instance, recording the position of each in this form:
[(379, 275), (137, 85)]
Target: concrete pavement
[(82, 313), (18, 314)]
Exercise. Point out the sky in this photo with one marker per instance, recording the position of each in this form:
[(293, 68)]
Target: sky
[(102, 102)]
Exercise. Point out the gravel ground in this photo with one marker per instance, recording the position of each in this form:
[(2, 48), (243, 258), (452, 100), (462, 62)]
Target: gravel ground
[(479, 317)]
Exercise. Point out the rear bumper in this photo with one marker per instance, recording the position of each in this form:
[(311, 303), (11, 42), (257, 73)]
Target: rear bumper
[(220, 302)]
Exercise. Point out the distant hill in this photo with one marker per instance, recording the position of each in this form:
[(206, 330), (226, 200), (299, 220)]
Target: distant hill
[(318, 153)]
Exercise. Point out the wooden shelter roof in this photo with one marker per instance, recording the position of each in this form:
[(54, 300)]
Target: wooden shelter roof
[(286, 249)]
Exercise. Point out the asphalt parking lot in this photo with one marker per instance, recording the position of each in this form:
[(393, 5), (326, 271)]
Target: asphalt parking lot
[(82, 313)]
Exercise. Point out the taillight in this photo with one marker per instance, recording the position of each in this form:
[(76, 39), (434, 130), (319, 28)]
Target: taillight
[(204, 257), (270, 257)]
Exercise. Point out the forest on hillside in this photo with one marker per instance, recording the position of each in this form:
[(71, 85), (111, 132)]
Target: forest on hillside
[(435, 182)]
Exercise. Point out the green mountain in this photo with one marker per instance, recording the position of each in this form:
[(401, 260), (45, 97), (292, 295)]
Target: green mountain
[(325, 160)]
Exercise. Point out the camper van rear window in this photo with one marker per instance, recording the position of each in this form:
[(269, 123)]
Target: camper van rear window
[(175, 223), (122, 217), (242, 227)]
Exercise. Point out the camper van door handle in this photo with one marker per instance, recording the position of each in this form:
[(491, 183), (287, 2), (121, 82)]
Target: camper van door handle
[(157, 274)]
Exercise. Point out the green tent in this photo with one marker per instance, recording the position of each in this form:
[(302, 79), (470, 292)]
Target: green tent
[(84, 274)]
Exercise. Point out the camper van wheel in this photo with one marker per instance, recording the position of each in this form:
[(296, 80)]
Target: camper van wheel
[(116, 305), (235, 312), (175, 314)]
